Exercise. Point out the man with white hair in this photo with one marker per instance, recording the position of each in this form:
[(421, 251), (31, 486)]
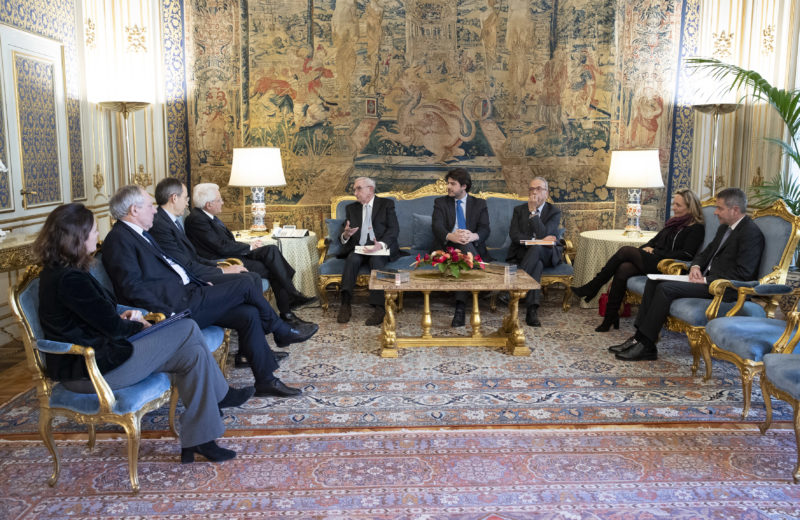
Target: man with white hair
[(371, 222), (214, 240), (145, 276)]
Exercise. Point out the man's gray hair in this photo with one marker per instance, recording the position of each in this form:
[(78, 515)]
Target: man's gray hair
[(539, 178), (125, 197), (734, 198), (367, 180), (204, 193)]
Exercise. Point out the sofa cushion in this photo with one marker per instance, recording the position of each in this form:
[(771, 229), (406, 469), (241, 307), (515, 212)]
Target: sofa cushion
[(334, 230), (422, 229), (562, 269), (636, 284), (747, 337), (500, 212)]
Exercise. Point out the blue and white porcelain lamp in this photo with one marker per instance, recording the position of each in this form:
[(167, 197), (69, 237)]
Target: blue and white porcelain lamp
[(634, 169), (257, 168)]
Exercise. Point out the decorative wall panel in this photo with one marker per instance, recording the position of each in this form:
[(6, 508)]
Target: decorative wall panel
[(175, 74), (6, 202), (56, 19), (35, 81), (404, 91)]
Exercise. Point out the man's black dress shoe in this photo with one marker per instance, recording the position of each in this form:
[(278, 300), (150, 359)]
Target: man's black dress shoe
[(376, 318), (623, 346), (210, 450), (292, 319), (531, 317), (458, 317), (638, 352), (276, 388), (236, 397), (299, 299), (241, 362), (344, 313), (296, 335)]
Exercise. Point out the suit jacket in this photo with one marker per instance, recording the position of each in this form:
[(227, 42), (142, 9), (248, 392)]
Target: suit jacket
[(524, 228), (211, 237), (140, 275), (75, 308), (679, 244), (384, 225), (740, 255), (444, 218), (175, 243)]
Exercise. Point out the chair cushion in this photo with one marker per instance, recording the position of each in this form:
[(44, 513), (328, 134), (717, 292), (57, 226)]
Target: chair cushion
[(29, 305), (129, 399), (332, 266), (99, 272), (693, 310), (334, 228), (422, 237), (500, 211), (213, 336), (777, 232), (783, 370), (636, 284), (747, 337), (264, 285)]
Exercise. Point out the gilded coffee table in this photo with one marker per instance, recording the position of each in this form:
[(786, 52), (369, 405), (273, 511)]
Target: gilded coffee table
[(509, 335)]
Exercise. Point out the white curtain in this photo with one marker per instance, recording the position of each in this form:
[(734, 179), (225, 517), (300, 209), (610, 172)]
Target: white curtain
[(760, 35)]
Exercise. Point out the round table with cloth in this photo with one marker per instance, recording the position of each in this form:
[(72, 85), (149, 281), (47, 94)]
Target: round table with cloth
[(301, 253), (594, 250)]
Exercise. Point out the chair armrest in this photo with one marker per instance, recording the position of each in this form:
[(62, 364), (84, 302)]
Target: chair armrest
[(155, 317), (672, 266), (745, 289), (228, 262), (322, 248), (104, 394), (569, 251)]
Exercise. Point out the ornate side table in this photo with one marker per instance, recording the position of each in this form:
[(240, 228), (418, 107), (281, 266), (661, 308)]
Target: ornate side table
[(301, 253)]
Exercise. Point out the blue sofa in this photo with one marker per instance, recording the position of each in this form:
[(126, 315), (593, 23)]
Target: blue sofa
[(414, 211)]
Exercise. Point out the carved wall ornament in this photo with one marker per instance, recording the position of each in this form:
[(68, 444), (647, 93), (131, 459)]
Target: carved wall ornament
[(142, 178), (768, 40), (91, 33), (723, 43), (137, 38), (99, 178)]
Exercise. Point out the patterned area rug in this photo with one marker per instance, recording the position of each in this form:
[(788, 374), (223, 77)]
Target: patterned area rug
[(569, 378), (465, 474)]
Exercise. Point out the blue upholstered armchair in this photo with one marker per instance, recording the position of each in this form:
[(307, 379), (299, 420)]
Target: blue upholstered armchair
[(745, 340), (781, 378), (124, 406)]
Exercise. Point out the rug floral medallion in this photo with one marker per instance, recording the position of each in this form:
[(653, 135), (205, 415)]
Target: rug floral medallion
[(570, 378)]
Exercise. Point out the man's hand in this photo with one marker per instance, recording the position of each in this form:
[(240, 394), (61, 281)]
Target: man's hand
[(132, 315), (462, 236), (234, 269), (255, 244), (374, 248), (551, 237), (695, 275), (348, 231), (647, 249)]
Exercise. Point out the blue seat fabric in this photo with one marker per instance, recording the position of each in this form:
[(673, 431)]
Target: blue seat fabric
[(747, 337), (693, 310), (783, 370)]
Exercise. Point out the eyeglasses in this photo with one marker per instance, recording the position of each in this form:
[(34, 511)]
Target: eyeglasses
[(537, 188)]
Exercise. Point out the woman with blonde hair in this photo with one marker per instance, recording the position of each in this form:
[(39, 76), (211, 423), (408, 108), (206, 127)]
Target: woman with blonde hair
[(681, 238)]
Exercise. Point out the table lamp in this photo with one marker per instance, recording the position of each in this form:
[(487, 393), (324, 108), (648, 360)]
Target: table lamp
[(257, 168), (634, 169)]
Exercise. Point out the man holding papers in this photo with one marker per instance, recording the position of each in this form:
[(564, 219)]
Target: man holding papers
[(537, 220), (734, 254), (369, 236)]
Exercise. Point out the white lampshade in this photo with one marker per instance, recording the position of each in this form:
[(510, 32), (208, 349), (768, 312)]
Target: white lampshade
[(635, 169), (257, 167)]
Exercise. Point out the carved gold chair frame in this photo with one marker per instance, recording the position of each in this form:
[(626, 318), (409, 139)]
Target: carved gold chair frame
[(769, 390)]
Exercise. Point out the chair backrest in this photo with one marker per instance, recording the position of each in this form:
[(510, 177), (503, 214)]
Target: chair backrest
[(99, 273), (24, 302), (781, 231), (711, 221)]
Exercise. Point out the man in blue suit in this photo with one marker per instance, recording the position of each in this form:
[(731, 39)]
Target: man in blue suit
[(145, 276)]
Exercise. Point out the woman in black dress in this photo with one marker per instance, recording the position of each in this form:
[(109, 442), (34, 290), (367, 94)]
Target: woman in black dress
[(680, 239)]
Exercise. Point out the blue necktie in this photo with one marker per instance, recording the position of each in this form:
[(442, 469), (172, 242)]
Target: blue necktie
[(461, 221), (160, 251), (180, 226)]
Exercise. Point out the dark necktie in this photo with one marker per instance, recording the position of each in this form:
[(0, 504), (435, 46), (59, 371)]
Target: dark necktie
[(461, 221), (180, 226), (721, 243), (161, 252)]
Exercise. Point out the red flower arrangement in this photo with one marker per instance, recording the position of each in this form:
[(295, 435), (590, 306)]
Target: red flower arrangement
[(450, 262)]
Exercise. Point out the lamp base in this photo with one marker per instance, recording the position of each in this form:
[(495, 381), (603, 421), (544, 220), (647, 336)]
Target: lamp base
[(632, 233), (258, 209), (633, 211)]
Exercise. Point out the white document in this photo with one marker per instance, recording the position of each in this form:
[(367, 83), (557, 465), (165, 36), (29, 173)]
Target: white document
[(669, 277), (537, 242), (362, 250), (289, 232)]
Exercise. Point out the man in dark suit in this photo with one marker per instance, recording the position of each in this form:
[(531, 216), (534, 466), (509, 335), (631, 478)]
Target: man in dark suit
[(734, 254), (145, 276), (460, 221), (372, 223), (536, 219), (214, 240)]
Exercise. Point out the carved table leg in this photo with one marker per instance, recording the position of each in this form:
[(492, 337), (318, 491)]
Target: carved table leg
[(475, 319), (389, 328), (427, 321), (516, 336)]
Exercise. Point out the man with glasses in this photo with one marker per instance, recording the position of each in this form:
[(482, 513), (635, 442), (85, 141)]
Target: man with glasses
[(214, 240), (537, 219)]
